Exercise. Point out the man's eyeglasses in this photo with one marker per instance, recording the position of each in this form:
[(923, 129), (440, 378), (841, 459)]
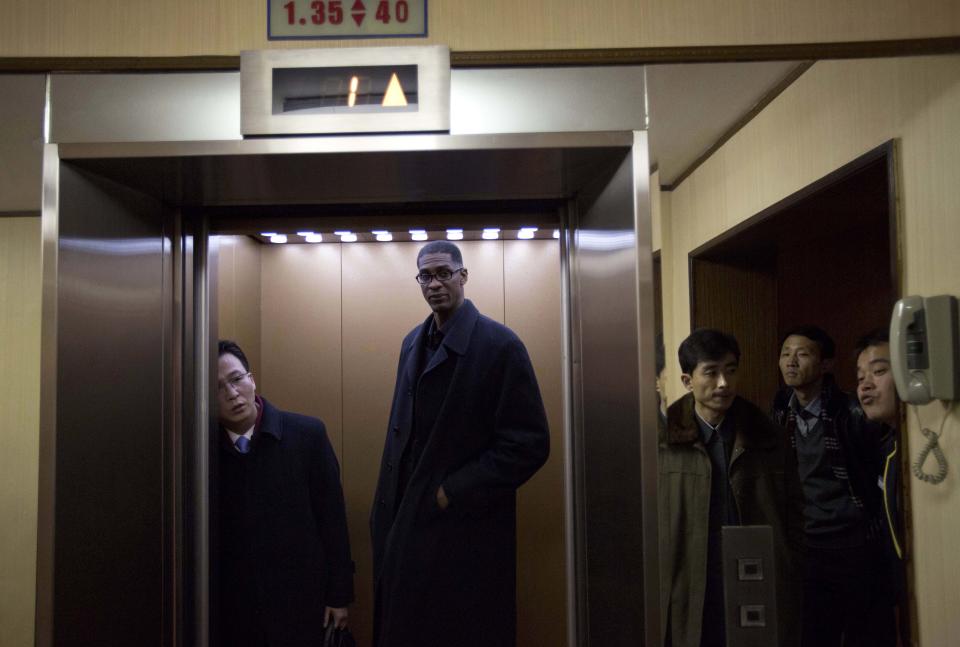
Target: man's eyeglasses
[(442, 275), (232, 382)]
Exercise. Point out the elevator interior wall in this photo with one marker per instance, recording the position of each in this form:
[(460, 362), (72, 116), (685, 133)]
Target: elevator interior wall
[(111, 316)]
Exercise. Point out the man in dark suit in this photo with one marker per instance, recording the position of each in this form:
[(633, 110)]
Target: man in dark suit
[(467, 428), (285, 567)]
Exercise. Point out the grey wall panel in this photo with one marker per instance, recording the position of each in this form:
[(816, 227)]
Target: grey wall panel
[(540, 100), (206, 106), (21, 141), (614, 463), (646, 399), (144, 107), (108, 547)]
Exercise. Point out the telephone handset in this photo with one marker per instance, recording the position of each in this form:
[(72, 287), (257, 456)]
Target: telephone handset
[(925, 358), (924, 348)]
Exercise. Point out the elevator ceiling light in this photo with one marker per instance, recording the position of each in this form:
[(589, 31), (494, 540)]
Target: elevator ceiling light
[(342, 232), (314, 238), (526, 232), (490, 233), (304, 233), (268, 234), (348, 238), (418, 234), (454, 234), (382, 235), (278, 238), (556, 233)]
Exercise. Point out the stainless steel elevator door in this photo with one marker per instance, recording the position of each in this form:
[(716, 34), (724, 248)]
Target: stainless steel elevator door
[(111, 358), (610, 492)]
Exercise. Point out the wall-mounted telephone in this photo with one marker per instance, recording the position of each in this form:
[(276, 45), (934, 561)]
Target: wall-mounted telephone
[(925, 348)]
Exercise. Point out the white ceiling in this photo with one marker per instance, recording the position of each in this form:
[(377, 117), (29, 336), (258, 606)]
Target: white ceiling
[(691, 106)]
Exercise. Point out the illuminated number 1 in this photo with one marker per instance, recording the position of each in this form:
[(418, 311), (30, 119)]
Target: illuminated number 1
[(291, 12)]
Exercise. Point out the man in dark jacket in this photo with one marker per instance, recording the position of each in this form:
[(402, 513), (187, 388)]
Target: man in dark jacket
[(836, 458), (285, 567), (467, 428), (722, 462), (878, 397)]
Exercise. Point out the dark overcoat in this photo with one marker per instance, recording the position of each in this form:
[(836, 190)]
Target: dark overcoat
[(283, 544), (447, 578)]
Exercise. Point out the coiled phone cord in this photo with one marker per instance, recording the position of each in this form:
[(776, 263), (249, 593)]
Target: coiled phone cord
[(933, 445)]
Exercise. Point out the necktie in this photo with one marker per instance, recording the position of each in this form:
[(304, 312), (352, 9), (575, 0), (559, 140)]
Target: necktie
[(242, 444), (808, 421)]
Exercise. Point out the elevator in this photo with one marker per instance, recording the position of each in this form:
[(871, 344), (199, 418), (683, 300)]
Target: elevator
[(134, 244), (321, 324)]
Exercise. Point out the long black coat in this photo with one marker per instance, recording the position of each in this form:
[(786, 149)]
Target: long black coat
[(283, 543), (446, 578)]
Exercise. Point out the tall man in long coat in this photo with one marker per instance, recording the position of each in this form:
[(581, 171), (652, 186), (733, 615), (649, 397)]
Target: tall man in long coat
[(467, 428)]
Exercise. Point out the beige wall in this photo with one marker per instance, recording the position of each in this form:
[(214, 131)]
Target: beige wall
[(835, 112), (331, 319), (532, 310), (20, 407), (662, 224), (238, 294), (300, 324), (224, 27)]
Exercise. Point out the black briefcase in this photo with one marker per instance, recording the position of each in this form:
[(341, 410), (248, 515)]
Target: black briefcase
[(334, 637)]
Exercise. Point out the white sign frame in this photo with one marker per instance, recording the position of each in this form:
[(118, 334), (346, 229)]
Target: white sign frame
[(346, 19)]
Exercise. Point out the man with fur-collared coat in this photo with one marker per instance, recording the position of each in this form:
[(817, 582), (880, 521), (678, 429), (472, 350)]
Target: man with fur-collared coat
[(722, 462), (467, 428)]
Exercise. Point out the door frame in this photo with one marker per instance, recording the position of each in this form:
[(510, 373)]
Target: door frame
[(602, 177), (889, 152)]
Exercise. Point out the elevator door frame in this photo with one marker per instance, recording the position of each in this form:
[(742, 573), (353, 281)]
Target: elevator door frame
[(606, 269)]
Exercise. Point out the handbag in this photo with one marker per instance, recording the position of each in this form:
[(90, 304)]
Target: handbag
[(336, 637)]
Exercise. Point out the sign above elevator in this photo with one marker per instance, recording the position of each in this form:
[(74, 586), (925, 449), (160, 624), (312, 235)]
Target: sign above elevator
[(333, 19), (343, 91)]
